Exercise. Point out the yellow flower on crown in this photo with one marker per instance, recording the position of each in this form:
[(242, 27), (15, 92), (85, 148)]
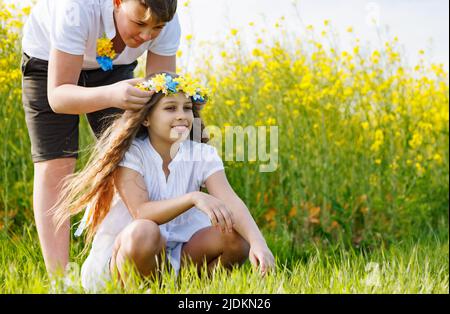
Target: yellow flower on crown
[(159, 83), (168, 85)]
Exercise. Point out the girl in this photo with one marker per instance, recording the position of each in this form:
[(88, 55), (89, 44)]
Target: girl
[(62, 79), (153, 161)]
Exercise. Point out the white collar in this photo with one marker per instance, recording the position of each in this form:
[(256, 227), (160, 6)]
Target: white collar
[(157, 157), (108, 18)]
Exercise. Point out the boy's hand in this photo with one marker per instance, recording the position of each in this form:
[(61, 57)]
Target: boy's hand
[(260, 256), (125, 95), (217, 211)]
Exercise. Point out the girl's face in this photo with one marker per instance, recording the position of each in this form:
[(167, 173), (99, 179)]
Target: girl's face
[(132, 26), (171, 118)]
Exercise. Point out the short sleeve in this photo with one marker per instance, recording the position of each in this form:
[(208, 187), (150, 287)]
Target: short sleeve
[(168, 41), (133, 159), (210, 162), (69, 32)]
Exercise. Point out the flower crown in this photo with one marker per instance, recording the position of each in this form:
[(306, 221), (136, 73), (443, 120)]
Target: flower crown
[(168, 85)]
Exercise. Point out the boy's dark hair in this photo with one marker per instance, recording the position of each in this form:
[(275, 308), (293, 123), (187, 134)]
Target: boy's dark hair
[(163, 10)]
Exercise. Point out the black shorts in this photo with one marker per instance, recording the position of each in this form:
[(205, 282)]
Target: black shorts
[(55, 135)]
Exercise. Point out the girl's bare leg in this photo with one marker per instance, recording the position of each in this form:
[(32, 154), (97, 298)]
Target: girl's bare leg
[(141, 244), (214, 247), (54, 243)]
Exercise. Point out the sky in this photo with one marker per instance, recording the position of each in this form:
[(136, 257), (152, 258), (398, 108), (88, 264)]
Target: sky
[(419, 24)]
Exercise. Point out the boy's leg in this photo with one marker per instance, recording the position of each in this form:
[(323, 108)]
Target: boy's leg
[(54, 243), (214, 247), (54, 146)]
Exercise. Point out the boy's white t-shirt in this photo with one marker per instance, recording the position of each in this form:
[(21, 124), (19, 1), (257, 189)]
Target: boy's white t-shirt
[(73, 26)]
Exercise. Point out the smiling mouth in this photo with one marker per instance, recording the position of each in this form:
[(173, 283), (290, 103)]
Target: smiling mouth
[(180, 128)]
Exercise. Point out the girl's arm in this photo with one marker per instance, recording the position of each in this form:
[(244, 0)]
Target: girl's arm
[(133, 191), (66, 97), (219, 187), (259, 254)]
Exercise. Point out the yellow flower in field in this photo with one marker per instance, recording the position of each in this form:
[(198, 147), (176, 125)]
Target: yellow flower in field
[(379, 140), (378, 161), (26, 10), (271, 121), (348, 91), (230, 102), (416, 140), (234, 32), (437, 158), (394, 166), (257, 53), (350, 29), (420, 169), (365, 125)]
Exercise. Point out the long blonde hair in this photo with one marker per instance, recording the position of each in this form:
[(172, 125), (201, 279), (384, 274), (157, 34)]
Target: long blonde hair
[(94, 184)]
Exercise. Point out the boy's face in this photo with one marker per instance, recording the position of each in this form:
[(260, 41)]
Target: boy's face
[(132, 26), (171, 118)]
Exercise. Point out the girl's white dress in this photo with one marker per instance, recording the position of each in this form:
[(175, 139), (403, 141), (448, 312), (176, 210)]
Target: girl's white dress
[(193, 164)]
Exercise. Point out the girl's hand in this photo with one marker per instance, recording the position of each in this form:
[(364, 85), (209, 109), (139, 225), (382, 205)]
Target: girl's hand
[(218, 213), (125, 95), (261, 256)]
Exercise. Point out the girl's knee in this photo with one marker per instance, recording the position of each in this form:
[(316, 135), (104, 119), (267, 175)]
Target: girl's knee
[(141, 239), (236, 244)]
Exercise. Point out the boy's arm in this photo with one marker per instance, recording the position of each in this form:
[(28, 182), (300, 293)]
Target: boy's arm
[(66, 97), (219, 187), (157, 63), (63, 73), (132, 190)]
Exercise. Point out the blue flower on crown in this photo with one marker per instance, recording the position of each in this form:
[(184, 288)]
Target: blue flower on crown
[(171, 84), (198, 98)]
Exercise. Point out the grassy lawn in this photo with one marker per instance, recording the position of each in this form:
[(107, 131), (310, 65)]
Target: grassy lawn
[(407, 267)]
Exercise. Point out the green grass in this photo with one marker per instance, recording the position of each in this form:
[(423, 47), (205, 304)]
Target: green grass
[(420, 266)]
